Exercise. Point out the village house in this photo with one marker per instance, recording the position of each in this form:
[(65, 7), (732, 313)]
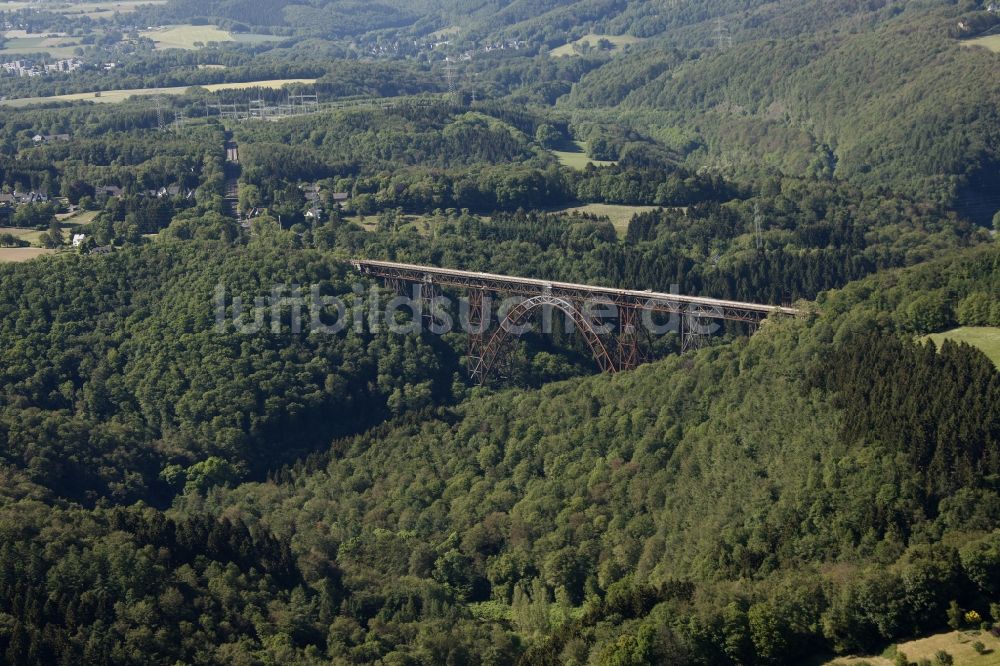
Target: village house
[(34, 196), (67, 65), (49, 138), (107, 191)]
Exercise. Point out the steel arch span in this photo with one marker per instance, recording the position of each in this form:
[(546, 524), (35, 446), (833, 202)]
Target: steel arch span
[(482, 364)]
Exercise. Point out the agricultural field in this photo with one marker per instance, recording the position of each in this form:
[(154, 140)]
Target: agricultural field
[(23, 233), (24, 34), (186, 36), (17, 41), (252, 37), (18, 254), (992, 42), (444, 33), (619, 42), (67, 222), (76, 219), (984, 337), (114, 96), (956, 643), (98, 10), (195, 36), (575, 156), (620, 216), (88, 9)]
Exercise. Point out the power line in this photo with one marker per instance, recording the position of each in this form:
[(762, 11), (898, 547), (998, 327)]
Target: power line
[(449, 72), (159, 112), (180, 119), (723, 38), (758, 219)]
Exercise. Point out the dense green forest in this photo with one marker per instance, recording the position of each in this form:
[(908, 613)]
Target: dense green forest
[(815, 104), (523, 531), (189, 480)]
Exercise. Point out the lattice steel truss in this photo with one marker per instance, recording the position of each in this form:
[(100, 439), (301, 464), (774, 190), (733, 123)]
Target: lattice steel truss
[(619, 352)]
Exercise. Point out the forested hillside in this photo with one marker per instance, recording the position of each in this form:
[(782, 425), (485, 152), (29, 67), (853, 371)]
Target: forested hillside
[(817, 104), (193, 474), (123, 348), (119, 381), (536, 22), (494, 529)]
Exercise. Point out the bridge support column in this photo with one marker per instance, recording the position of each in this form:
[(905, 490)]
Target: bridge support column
[(476, 325), (628, 339), (427, 292), (397, 285), (693, 335)]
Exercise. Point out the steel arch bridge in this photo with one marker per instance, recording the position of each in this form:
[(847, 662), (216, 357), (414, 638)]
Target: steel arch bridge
[(614, 350), (483, 363)]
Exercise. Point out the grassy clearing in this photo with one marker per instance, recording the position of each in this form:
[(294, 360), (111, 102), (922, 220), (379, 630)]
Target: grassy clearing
[(422, 224), (185, 36), (253, 37), (66, 223), (17, 254), (91, 9), (956, 643), (30, 235), (619, 42), (620, 216), (57, 47), (195, 36), (269, 83), (24, 34), (419, 223), (983, 337), (96, 10), (444, 33), (75, 219), (992, 42), (574, 155), (113, 96)]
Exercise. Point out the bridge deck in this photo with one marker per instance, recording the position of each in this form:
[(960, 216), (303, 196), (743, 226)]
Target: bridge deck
[(654, 301)]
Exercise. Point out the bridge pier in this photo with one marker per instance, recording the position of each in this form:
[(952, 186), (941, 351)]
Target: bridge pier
[(628, 338), (692, 333), (426, 294), (397, 286), (476, 326)]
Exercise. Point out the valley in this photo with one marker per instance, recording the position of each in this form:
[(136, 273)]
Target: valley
[(583, 333)]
